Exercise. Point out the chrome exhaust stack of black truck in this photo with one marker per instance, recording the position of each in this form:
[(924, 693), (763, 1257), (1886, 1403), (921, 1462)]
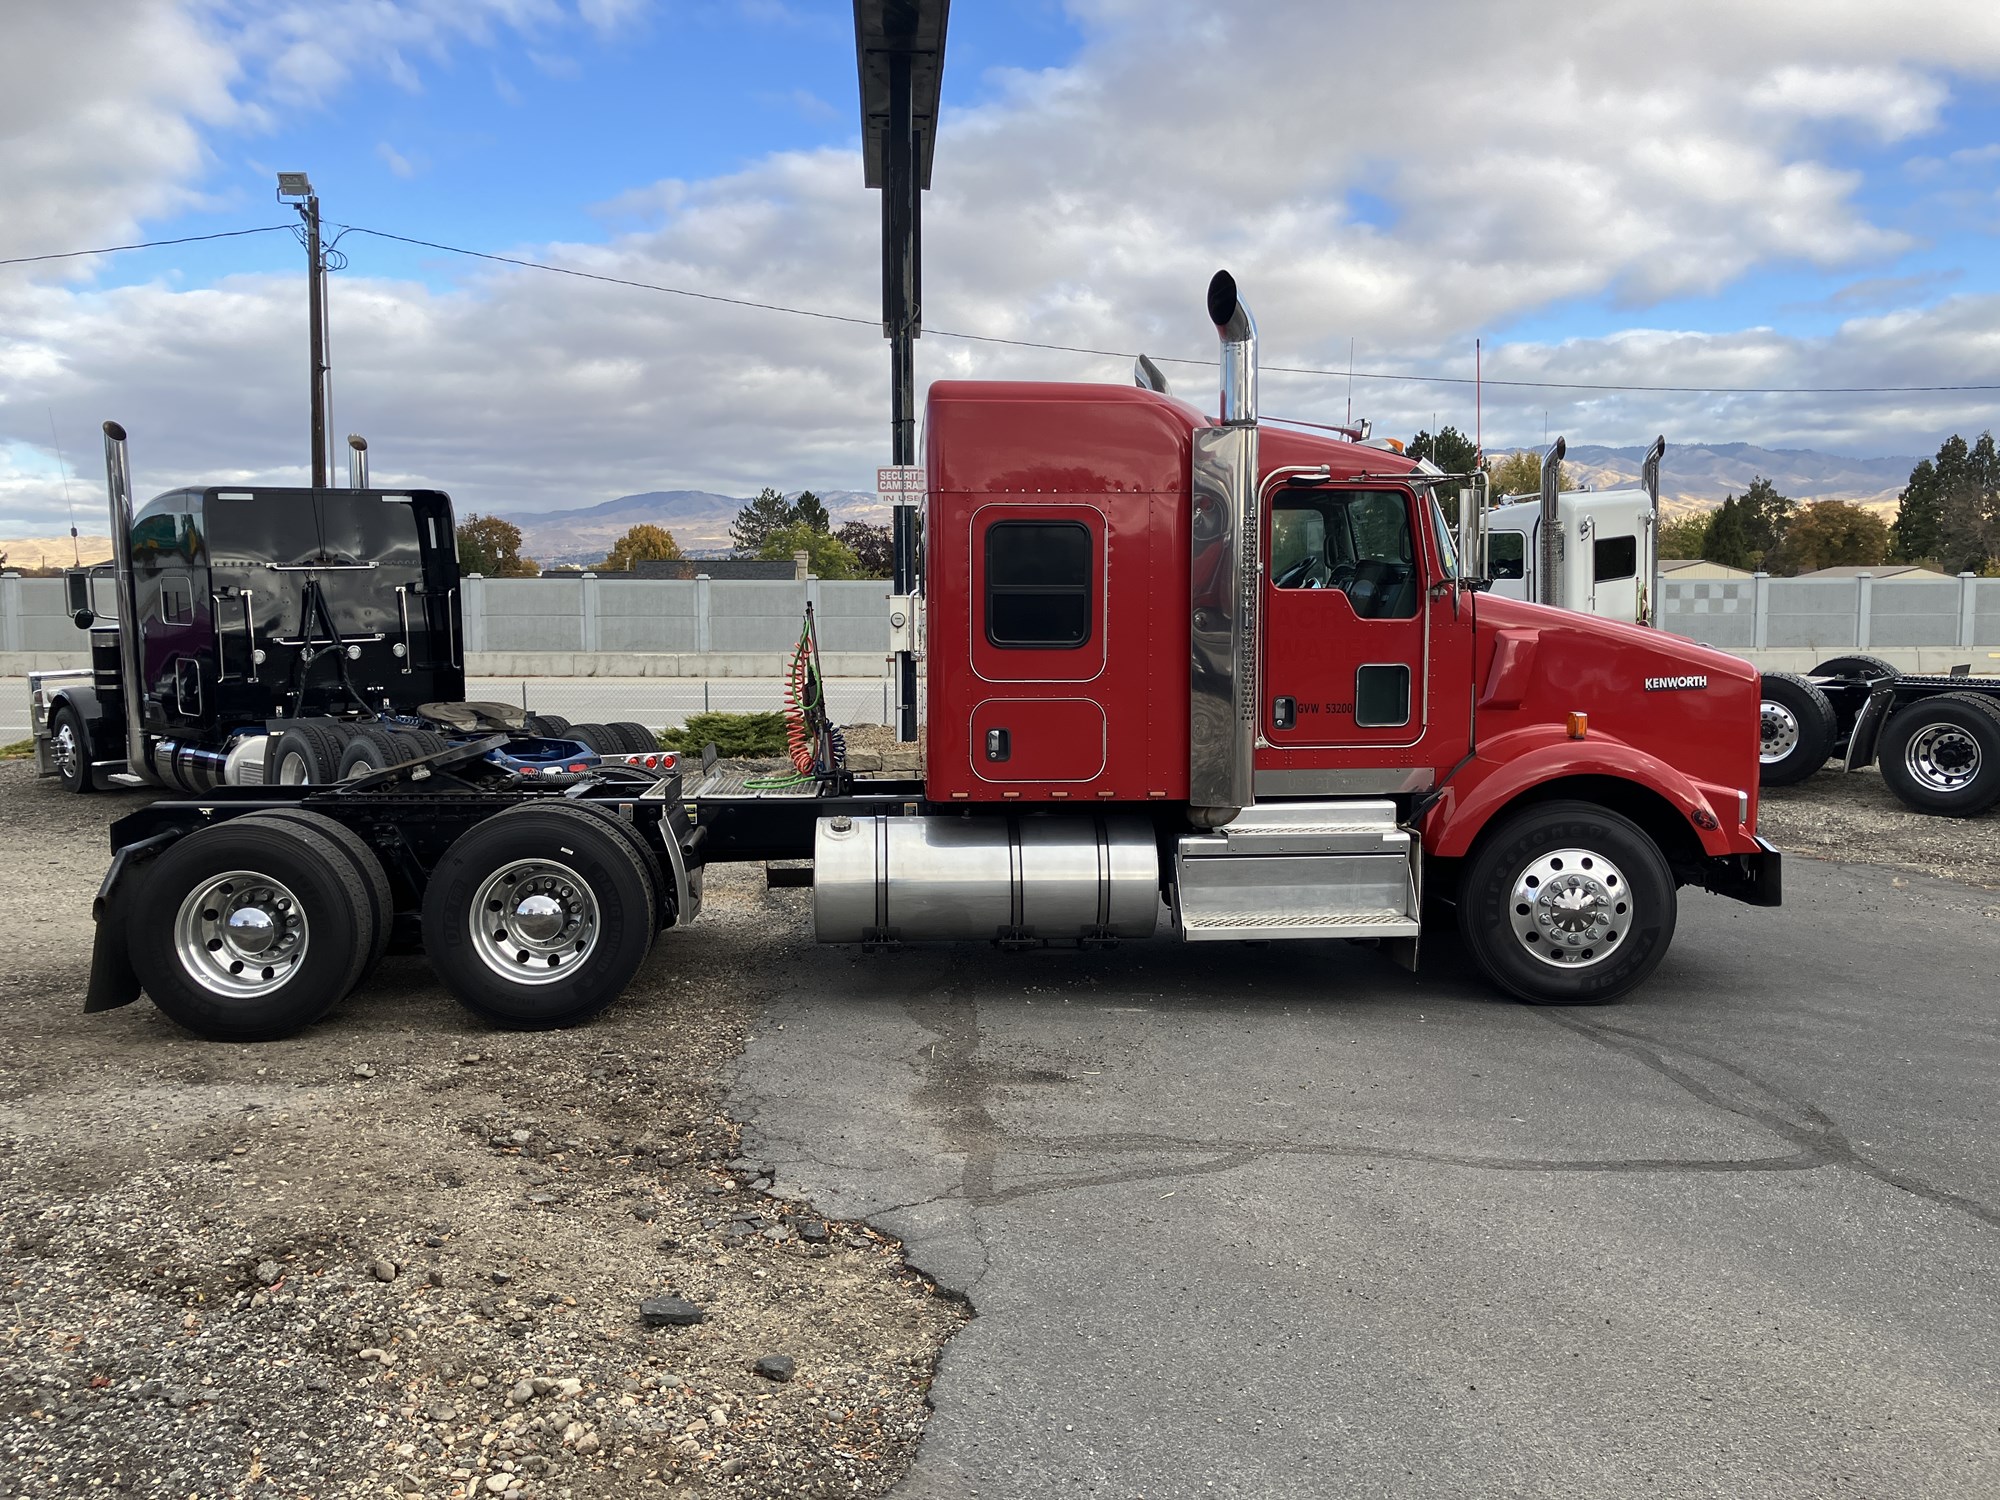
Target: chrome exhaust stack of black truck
[(118, 484)]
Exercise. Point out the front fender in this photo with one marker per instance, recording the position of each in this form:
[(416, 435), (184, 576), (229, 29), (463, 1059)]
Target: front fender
[(1510, 764)]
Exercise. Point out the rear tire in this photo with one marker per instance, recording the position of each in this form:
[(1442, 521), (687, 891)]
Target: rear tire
[(70, 748), (1942, 755), (548, 726), (247, 931), (1796, 728), (1567, 903), (637, 738), (381, 900), (538, 918), (1855, 666), (595, 737), (306, 752)]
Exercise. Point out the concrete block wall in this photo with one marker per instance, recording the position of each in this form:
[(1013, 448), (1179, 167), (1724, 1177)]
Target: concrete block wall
[(642, 627)]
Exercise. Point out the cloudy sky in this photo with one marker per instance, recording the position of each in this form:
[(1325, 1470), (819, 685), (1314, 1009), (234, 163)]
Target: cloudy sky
[(1780, 194)]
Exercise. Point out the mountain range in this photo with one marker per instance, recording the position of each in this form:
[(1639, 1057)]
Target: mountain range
[(1692, 476), (699, 520), (1701, 474)]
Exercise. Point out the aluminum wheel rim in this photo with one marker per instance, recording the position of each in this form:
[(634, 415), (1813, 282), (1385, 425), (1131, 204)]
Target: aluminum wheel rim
[(241, 934), (293, 770), (533, 921), (64, 750), (1943, 758), (1571, 908), (1779, 727)]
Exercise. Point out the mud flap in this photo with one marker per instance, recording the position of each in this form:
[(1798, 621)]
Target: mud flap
[(1867, 730), (113, 980)]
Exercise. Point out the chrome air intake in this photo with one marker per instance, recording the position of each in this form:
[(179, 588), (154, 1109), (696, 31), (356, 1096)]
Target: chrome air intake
[(1148, 377), (1549, 583), (878, 879), (118, 482), (357, 461), (1225, 571)]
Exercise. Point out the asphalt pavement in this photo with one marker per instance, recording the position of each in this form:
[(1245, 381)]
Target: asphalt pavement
[(1285, 1220)]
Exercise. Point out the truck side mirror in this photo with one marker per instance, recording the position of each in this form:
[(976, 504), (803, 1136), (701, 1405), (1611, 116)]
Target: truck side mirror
[(1472, 536)]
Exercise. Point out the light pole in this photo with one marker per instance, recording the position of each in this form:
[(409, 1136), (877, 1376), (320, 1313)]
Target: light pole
[(296, 189)]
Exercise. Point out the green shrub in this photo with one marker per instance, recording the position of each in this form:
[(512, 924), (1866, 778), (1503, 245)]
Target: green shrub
[(736, 736)]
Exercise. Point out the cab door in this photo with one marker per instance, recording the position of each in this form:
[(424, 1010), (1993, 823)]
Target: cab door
[(1348, 619)]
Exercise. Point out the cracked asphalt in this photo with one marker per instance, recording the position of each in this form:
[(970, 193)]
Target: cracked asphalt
[(1259, 1220)]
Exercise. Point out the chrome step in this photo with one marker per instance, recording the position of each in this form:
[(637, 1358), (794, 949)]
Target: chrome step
[(1299, 870)]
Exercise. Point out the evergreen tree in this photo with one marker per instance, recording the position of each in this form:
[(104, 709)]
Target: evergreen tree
[(1914, 533), (757, 520), (1450, 449), (1766, 516), (1729, 537), (810, 509), (1968, 504)]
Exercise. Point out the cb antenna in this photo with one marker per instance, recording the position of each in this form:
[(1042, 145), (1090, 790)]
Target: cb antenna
[(75, 546)]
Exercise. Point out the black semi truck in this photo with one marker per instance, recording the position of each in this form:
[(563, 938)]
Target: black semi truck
[(254, 634), (1936, 736)]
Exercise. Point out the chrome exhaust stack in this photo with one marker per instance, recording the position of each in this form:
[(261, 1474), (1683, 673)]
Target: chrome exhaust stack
[(1238, 331), (357, 461), (1649, 476), (1549, 585), (1226, 572), (1147, 376), (118, 482)]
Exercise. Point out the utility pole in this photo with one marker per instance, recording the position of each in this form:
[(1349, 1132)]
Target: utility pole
[(899, 47), (296, 189)]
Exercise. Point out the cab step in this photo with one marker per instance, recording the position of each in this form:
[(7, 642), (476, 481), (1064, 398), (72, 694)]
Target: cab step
[(1299, 870)]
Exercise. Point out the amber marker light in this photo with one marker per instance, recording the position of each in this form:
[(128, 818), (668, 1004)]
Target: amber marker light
[(1579, 726)]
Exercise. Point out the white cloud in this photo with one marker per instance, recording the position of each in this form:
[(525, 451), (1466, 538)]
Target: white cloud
[(1652, 154), (398, 164)]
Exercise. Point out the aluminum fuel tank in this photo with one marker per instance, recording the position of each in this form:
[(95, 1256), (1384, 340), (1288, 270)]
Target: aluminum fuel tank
[(878, 879)]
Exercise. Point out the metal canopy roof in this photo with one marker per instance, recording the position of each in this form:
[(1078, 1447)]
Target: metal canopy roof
[(882, 27)]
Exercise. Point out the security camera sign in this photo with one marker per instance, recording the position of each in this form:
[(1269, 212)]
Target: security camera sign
[(900, 482)]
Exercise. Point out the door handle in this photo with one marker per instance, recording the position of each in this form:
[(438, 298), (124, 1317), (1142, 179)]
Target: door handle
[(1284, 713), (997, 744)]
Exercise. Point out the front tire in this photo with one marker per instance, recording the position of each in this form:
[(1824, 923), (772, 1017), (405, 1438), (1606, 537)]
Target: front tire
[(1567, 903), (250, 930), (1942, 755), (70, 749), (538, 917), (1796, 729)]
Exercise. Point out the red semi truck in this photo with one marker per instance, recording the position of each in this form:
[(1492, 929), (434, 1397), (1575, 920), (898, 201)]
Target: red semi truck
[(1236, 674)]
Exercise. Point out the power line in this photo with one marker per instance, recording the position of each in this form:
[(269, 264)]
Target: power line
[(191, 239), (988, 338)]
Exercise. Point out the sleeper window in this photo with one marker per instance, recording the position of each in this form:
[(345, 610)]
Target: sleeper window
[(1038, 585), (1615, 557)]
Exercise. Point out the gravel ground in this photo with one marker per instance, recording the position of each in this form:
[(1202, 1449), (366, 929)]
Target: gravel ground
[(1856, 819), (404, 1255)]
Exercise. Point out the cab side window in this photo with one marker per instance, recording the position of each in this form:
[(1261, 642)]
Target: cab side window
[(1507, 554), (1038, 585), (1357, 541)]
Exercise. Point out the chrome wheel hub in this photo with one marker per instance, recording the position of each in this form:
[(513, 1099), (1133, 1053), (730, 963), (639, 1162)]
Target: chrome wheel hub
[(65, 752), (1779, 728), (1571, 908), (240, 934), (533, 921), (1942, 758), (293, 770)]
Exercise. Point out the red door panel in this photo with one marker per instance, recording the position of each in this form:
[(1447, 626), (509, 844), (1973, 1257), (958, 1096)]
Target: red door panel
[(1038, 739)]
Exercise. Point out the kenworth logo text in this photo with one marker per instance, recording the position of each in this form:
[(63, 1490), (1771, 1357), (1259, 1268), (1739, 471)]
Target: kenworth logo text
[(1675, 684)]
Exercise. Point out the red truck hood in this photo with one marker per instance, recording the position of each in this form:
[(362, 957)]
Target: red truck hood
[(1695, 708)]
